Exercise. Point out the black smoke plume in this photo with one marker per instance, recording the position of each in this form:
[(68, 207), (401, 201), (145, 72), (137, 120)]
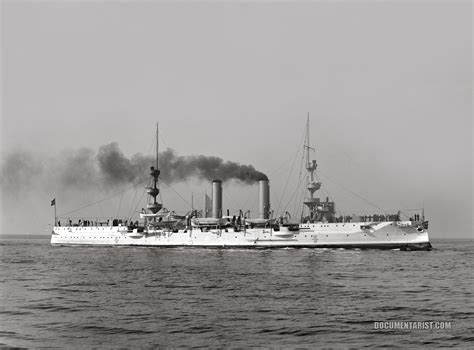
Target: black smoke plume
[(179, 168), (109, 168)]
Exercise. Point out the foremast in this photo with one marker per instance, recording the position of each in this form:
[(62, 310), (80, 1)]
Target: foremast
[(153, 206)]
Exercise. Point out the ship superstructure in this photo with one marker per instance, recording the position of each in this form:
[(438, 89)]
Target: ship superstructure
[(319, 229)]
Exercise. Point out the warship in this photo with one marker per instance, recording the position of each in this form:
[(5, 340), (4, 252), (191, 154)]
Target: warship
[(320, 228)]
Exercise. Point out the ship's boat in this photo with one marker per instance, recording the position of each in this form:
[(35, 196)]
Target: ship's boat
[(198, 222), (135, 234)]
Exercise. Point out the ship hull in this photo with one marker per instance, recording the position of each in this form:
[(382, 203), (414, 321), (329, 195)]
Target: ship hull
[(350, 236)]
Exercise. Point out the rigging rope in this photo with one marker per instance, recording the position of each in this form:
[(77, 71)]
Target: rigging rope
[(101, 200), (120, 204), (297, 188), (180, 196), (330, 197), (289, 174), (133, 202), (301, 203), (355, 194), (299, 179), (138, 203)]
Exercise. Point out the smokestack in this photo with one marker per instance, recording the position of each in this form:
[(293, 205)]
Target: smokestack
[(263, 199), (216, 199)]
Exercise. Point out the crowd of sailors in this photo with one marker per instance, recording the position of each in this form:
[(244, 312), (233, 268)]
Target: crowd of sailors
[(373, 218), (380, 217), (389, 217), (108, 222)]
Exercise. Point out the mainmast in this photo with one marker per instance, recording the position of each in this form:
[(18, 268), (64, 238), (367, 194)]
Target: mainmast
[(154, 207), (157, 146), (312, 185)]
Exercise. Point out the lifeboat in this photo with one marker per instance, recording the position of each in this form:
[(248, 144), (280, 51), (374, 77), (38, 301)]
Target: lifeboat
[(283, 233), (135, 234), (209, 222)]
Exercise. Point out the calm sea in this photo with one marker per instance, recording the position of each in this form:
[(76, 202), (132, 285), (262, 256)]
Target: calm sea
[(125, 297)]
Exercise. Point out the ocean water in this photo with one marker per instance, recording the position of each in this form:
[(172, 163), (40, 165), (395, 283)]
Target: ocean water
[(126, 297)]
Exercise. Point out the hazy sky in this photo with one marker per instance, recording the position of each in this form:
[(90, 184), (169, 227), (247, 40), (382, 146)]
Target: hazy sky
[(388, 86)]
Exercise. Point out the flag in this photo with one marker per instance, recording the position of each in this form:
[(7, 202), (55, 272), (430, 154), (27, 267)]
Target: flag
[(53, 202)]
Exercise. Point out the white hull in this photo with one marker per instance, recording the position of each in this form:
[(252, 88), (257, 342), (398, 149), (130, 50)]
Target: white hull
[(331, 235)]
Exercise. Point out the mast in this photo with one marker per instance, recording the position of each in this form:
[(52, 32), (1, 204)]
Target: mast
[(55, 216), (153, 191), (157, 146), (312, 186), (307, 140)]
